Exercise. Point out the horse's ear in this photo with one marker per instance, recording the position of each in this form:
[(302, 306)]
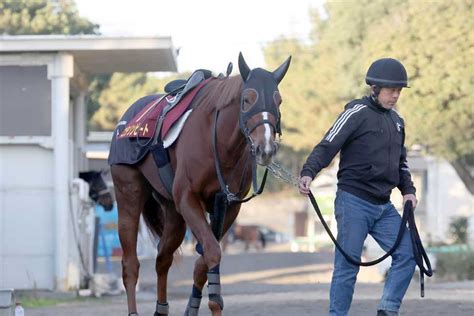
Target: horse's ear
[(280, 72), (243, 68)]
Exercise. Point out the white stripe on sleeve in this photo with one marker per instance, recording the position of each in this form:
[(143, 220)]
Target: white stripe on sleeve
[(342, 120)]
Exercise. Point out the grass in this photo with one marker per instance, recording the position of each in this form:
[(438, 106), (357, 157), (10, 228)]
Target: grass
[(31, 300)]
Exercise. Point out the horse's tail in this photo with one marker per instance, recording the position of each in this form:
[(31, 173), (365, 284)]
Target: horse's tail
[(154, 218)]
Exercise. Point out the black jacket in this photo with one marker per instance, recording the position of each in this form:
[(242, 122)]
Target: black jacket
[(373, 156)]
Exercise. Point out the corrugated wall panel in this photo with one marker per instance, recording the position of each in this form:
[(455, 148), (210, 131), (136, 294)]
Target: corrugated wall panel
[(27, 217)]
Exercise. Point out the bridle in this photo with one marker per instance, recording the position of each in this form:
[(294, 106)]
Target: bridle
[(244, 117), (258, 107), (264, 85), (95, 195)]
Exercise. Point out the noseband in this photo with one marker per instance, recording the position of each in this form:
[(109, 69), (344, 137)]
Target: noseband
[(96, 195), (247, 131)]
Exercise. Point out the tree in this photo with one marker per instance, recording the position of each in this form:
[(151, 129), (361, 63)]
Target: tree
[(433, 39), (435, 42), (123, 90), (20, 17), (41, 17)]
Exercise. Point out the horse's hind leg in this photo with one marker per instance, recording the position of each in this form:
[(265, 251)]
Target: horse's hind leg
[(131, 192), (172, 237)]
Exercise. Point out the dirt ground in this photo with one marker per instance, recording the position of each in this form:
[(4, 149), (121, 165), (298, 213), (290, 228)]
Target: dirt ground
[(272, 283)]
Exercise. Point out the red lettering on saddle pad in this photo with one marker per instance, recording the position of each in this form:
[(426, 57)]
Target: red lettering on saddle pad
[(143, 125)]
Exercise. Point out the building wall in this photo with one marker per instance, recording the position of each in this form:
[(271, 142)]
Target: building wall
[(25, 101), (26, 217), (447, 198), (29, 254)]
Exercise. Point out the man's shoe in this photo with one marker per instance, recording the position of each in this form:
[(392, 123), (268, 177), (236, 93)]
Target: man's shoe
[(386, 313)]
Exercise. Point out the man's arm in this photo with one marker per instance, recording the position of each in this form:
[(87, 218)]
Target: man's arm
[(323, 153), (405, 185)]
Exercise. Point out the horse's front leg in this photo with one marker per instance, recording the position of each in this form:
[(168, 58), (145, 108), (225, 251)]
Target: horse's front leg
[(200, 278), (190, 207), (201, 269)]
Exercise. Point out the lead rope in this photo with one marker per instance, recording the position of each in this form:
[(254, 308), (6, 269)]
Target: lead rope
[(408, 217)]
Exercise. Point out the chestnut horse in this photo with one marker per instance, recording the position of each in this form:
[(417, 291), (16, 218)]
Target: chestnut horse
[(235, 119)]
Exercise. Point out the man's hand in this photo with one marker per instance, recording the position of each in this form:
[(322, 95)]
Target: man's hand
[(410, 197), (304, 183)]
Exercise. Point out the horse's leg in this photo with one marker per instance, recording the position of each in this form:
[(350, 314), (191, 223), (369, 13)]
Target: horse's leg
[(201, 269), (131, 192), (173, 235)]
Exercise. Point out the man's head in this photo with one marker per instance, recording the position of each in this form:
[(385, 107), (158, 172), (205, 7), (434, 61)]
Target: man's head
[(387, 77)]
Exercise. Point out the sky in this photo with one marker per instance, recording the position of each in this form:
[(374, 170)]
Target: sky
[(208, 33)]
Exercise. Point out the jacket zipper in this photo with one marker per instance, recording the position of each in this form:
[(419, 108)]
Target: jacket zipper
[(389, 144)]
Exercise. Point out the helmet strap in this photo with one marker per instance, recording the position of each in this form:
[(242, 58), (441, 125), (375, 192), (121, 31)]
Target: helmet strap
[(375, 93)]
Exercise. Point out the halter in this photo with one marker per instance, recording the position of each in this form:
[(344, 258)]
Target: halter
[(96, 195)]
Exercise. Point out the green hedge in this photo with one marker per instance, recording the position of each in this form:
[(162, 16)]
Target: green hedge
[(455, 266)]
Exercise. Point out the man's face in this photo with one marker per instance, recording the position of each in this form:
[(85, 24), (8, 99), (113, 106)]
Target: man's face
[(388, 97)]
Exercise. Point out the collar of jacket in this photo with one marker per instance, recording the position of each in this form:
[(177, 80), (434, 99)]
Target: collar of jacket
[(371, 102)]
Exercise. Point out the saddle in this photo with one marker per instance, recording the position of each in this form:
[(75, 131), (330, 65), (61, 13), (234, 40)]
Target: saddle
[(158, 116), (165, 114), (175, 86)]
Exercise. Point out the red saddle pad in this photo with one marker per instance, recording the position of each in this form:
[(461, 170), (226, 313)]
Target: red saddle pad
[(144, 123)]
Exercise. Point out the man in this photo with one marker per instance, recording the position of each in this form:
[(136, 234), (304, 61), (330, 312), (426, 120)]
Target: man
[(370, 136)]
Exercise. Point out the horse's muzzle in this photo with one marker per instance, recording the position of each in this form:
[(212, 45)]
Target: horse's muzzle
[(265, 153)]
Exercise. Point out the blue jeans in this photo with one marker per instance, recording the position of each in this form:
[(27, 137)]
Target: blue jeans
[(355, 219)]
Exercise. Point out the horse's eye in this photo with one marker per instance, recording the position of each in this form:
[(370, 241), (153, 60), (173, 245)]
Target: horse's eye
[(277, 97), (250, 97)]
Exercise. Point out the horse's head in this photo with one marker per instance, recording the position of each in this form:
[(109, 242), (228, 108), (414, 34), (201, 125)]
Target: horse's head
[(98, 190), (260, 109)]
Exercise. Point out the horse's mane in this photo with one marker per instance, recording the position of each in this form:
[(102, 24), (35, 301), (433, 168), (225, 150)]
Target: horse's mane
[(221, 93)]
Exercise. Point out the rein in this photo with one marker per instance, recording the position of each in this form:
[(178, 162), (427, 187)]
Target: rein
[(231, 197), (419, 252)]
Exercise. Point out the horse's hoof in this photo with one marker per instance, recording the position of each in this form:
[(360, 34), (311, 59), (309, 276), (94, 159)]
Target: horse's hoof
[(215, 308)]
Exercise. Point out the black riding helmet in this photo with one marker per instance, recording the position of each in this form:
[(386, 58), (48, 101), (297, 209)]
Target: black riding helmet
[(387, 73)]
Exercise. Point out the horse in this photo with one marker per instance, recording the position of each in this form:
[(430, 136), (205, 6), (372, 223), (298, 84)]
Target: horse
[(250, 235), (242, 112), (98, 190)]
